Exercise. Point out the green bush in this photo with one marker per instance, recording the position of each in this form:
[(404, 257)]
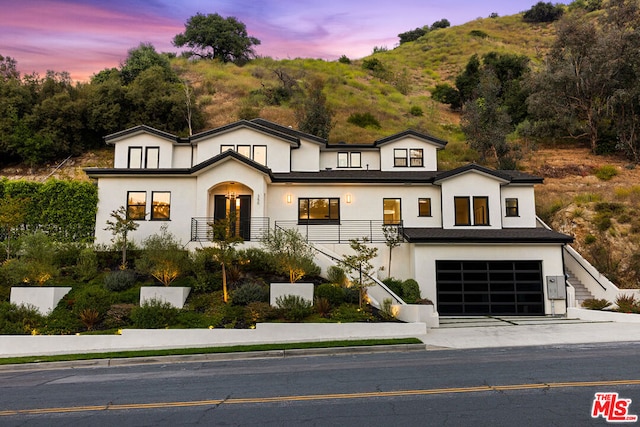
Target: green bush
[(416, 111), (478, 33), (19, 320), (207, 272), (589, 239), (258, 260), (336, 275), (119, 280), (410, 291), (606, 172), (627, 304), (595, 304), (260, 312), (333, 293), (395, 285), (87, 264), (294, 307), (118, 315), (350, 313), (91, 297), (364, 120), (250, 292), (61, 321), (154, 314)]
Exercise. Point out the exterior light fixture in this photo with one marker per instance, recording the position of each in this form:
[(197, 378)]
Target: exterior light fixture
[(289, 198), (348, 197)]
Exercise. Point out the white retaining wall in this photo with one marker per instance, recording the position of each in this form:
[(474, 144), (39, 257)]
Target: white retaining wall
[(602, 315), (144, 339)]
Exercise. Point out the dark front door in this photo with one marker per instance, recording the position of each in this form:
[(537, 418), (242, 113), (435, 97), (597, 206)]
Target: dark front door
[(235, 212), (489, 288)]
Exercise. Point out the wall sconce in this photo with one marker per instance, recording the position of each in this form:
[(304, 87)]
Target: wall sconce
[(289, 198), (348, 198)]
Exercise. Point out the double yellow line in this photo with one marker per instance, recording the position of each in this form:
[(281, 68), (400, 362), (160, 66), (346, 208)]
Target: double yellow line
[(278, 399)]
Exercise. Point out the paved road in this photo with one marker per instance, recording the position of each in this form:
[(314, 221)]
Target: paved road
[(553, 385)]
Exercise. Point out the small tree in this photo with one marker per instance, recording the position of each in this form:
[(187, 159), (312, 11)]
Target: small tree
[(360, 264), (224, 239), (293, 255), (392, 238), (12, 214), (313, 114), (120, 227), (163, 257)]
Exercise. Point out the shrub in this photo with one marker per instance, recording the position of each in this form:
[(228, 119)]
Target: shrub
[(336, 275), (606, 172), (344, 59), (163, 257), (206, 271), (259, 312), (543, 12), (294, 307), (19, 319), (89, 318), (410, 291), (627, 304), (154, 314), (364, 120), (118, 315), (416, 111), (61, 321), (119, 280), (334, 294), (258, 260), (386, 311), (250, 292), (478, 33), (395, 285), (87, 264), (595, 304), (350, 313), (322, 306), (589, 239), (92, 297)]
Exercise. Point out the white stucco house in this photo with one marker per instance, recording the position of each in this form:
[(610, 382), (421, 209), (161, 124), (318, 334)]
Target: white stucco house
[(472, 241)]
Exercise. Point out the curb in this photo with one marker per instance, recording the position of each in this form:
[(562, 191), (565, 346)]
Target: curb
[(213, 357)]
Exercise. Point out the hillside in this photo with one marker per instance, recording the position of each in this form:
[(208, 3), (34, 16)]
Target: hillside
[(602, 215)]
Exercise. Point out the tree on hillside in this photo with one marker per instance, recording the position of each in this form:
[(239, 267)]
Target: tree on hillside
[(543, 12), (412, 35), (313, 114), (142, 58), (214, 37)]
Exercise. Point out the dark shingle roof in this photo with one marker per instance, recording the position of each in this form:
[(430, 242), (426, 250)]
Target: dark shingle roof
[(438, 142), (505, 235), (356, 176)]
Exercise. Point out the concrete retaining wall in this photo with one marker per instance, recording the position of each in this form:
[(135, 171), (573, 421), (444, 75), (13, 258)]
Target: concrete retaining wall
[(602, 316), (143, 339)]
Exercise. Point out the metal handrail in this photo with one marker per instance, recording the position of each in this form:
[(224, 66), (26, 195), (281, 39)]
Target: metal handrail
[(341, 231), (251, 229)]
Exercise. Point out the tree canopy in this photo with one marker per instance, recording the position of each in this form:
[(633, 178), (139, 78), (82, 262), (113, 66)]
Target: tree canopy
[(214, 37)]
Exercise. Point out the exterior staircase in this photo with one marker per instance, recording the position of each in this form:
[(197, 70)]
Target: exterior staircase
[(582, 293)]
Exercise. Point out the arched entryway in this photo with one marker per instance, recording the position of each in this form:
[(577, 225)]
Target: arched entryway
[(230, 203)]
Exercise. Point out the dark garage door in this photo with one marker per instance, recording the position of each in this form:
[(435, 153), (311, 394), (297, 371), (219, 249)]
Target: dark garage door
[(489, 288)]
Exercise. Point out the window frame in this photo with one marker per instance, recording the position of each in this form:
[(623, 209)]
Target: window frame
[(153, 206), (411, 158), (399, 205), (487, 221), (331, 219), (345, 158), (424, 201), (131, 149), (229, 147), (146, 157), (244, 146), (511, 211), (468, 210), (137, 205), (348, 159), (397, 158), (265, 154)]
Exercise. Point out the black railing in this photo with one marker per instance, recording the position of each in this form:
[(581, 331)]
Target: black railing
[(252, 229), (344, 231)]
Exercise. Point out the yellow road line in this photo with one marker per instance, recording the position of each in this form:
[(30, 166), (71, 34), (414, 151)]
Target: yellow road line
[(361, 395)]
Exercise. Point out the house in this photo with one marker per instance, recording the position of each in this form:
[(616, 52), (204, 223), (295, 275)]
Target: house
[(471, 236)]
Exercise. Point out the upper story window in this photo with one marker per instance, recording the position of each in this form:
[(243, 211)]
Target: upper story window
[(245, 150), (318, 211), (260, 154), (424, 207), (416, 157), (400, 157), (391, 211), (152, 158), (135, 157), (136, 204), (224, 148), (160, 205), (511, 206), (349, 159), (463, 212)]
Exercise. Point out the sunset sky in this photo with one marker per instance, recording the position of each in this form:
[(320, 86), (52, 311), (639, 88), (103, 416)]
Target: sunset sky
[(86, 36)]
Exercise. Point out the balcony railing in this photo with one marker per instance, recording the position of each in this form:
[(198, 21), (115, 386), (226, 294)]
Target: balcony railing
[(251, 229), (342, 232)]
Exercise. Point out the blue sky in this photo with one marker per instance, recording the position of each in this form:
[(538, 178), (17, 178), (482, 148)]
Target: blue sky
[(86, 36)]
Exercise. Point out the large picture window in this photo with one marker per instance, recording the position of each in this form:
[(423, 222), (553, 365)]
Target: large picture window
[(152, 158), (135, 157), (160, 205), (464, 214), (391, 211), (318, 211), (136, 204)]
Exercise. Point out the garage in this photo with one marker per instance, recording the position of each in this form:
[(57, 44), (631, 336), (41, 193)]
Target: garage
[(489, 288)]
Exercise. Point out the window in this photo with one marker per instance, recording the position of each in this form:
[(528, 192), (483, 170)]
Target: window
[(424, 207), (349, 160), (136, 204), (391, 211), (461, 205), (512, 207), (245, 150), (318, 211), (480, 211), (135, 157), (260, 154), (160, 205), (416, 156), (400, 157), (224, 148), (152, 158)]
